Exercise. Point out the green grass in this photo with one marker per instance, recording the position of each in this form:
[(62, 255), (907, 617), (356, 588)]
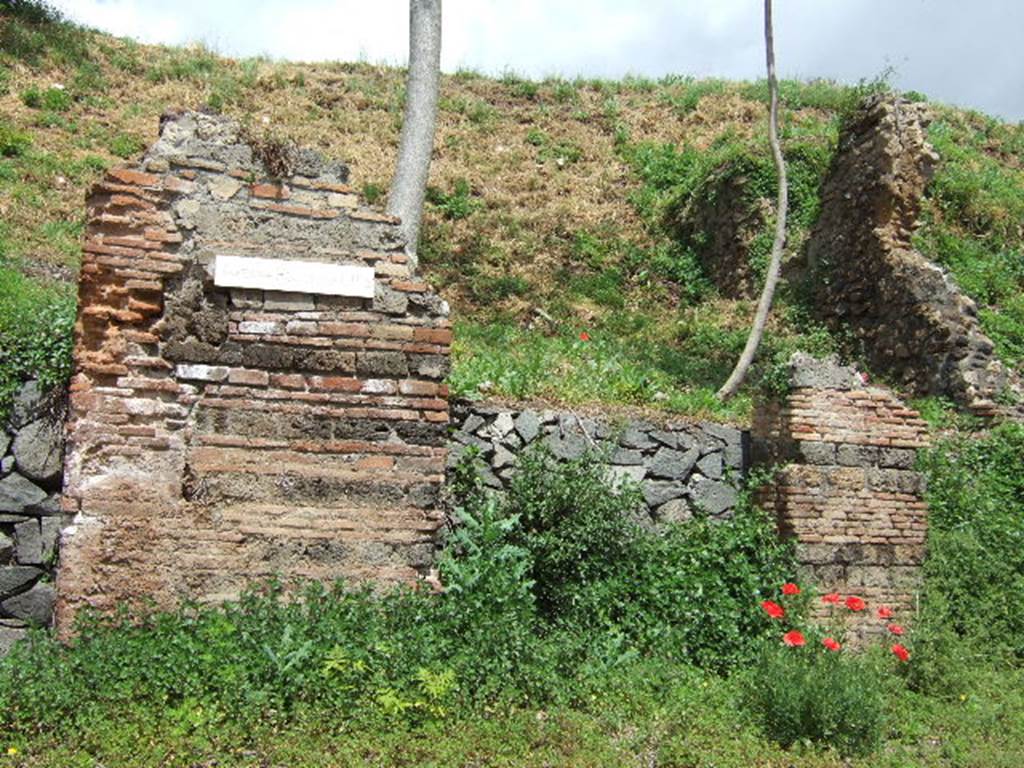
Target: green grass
[(667, 717), (972, 216), (604, 630)]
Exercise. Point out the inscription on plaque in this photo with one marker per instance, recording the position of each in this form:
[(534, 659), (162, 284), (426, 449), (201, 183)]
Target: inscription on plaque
[(293, 276)]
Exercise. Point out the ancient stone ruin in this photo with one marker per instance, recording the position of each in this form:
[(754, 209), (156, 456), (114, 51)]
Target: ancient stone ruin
[(31, 459), (259, 380), (914, 323), (259, 393), (847, 490), (681, 467)]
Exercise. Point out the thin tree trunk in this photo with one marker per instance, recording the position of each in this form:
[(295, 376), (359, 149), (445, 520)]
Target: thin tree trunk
[(764, 304), (409, 184)]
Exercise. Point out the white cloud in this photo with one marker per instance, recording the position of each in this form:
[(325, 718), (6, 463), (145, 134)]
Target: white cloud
[(953, 51)]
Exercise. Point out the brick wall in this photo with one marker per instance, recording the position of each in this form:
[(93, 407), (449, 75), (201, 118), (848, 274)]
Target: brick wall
[(912, 320), (220, 434), (847, 491)]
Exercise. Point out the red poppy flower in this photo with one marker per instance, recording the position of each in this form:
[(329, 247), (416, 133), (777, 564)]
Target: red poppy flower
[(584, 336), (831, 644), (855, 603), (896, 629), (832, 597), (773, 609), (789, 588), (885, 612), (901, 653), (794, 638)]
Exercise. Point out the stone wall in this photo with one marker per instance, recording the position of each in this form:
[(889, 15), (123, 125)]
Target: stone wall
[(847, 490), (680, 466), (720, 225), (915, 325), (31, 454), (222, 429)]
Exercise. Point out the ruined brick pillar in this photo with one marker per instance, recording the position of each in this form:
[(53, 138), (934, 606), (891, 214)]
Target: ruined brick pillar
[(847, 490), (259, 377)]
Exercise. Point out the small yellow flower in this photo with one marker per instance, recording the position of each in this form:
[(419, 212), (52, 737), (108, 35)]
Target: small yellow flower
[(963, 697), (12, 751)]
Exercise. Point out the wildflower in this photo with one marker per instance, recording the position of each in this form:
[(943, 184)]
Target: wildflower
[(584, 336), (831, 644), (896, 629), (12, 751), (885, 612), (832, 597), (900, 652), (789, 588), (855, 603), (794, 638), (774, 610)]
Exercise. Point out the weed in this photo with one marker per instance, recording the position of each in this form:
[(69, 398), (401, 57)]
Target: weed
[(53, 99), (457, 204), (13, 142), (126, 146), (373, 192)]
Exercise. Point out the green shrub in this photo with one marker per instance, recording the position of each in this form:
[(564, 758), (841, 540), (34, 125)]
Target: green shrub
[(36, 332), (13, 142), (51, 100), (809, 694), (457, 204), (974, 573)]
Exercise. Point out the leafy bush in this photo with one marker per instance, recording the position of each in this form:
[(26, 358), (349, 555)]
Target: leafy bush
[(974, 573), (546, 592), (36, 332)]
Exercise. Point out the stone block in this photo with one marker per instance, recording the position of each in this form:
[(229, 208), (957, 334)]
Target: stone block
[(657, 492), (617, 475), (675, 465), (16, 577), (199, 372), (39, 450), (627, 456), (29, 543), (288, 301), (34, 606), (816, 452), (6, 549), (18, 493), (711, 466), (675, 511), (566, 447), (636, 436), (501, 426), (527, 424), (713, 496)]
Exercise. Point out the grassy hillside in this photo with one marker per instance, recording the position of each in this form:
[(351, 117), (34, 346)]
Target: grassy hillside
[(550, 210)]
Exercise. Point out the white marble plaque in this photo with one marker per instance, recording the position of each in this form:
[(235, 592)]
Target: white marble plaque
[(293, 276)]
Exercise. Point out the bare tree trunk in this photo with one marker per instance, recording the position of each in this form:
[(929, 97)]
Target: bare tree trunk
[(409, 184), (764, 304)]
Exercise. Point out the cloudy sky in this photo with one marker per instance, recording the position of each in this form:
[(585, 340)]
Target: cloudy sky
[(966, 53)]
